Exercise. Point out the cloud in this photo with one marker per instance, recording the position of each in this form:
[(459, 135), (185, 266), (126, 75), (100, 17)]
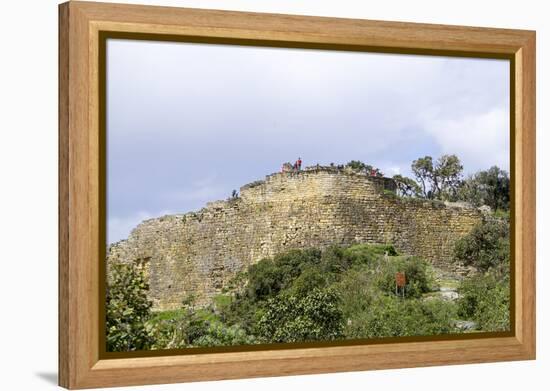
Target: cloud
[(207, 188), (480, 140)]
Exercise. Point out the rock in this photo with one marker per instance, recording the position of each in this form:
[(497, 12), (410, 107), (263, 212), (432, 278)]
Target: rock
[(448, 293), (466, 325), (484, 209)]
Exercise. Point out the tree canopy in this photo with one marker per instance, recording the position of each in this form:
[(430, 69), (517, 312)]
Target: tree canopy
[(490, 187), (439, 180), (442, 179)]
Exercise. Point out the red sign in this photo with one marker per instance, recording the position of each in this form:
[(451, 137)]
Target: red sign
[(400, 279)]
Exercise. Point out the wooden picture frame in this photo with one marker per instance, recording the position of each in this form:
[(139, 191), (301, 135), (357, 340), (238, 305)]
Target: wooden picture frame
[(81, 25)]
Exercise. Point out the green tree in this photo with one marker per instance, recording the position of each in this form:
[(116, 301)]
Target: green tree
[(358, 165), (265, 280), (440, 180), (448, 171), (423, 170), (128, 309), (490, 187), (407, 187)]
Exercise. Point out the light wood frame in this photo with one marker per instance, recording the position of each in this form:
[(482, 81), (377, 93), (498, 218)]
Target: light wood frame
[(80, 24)]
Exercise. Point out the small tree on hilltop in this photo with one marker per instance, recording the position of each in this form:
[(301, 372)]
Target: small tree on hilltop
[(407, 187), (422, 169), (358, 165), (440, 180), (490, 187)]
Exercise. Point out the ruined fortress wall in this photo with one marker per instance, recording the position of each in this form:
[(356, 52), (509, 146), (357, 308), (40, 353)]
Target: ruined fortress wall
[(200, 252)]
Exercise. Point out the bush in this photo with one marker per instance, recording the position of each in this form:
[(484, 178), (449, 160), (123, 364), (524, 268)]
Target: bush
[(242, 312), (127, 309), (333, 260), (356, 291), (315, 317), (388, 316), (269, 276), (265, 280), (368, 254), (486, 300), (311, 278), (418, 274), (176, 329), (486, 246), (218, 334), (341, 292)]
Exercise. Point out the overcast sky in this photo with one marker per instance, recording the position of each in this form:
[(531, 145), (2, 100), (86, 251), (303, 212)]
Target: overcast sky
[(188, 123)]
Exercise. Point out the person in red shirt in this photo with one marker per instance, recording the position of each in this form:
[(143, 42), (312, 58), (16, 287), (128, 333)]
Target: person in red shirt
[(299, 163)]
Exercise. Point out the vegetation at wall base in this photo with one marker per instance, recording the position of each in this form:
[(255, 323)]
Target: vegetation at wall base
[(341, 292)]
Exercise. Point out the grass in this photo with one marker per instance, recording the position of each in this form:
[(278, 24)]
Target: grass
[(202, 313)]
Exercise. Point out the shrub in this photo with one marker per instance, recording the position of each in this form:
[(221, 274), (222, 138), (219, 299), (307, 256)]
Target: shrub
[(390, 316), (177, 329), (368, 254), (493, 313), (311, 278), (265, 280), (218, 334), (334, 261), (356, 291), (418, 274), (486, 246), (127, 309), (242, 312), (269, 276), (314, 317), (486, 300)]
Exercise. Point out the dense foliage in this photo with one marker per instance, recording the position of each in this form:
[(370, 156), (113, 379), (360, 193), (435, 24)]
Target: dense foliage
[(313, 316), (358, 165), (490, 187), (440, 179), (485, 298), (341, 292), (127, 309), (443, 180), (487, 246), (302, 295)]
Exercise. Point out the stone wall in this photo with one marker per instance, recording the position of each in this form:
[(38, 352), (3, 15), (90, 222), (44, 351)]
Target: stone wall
[(200, 252)]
